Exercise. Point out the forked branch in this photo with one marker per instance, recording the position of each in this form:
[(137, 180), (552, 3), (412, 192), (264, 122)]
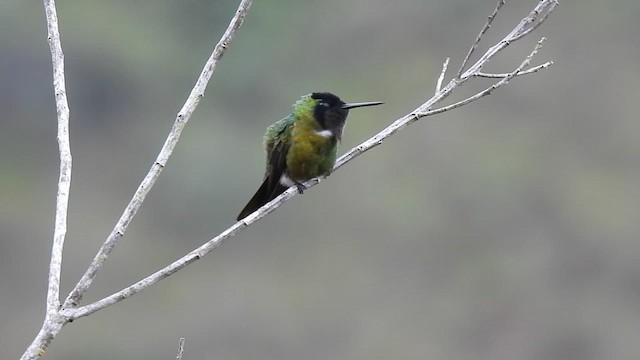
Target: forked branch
[(57, 316), (197, 93), (543, 8)]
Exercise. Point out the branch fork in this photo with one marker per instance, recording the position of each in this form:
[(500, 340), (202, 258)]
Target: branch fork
[(58, 314)]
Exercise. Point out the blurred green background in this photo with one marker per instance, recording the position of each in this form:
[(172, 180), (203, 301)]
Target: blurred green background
[(507, 229)]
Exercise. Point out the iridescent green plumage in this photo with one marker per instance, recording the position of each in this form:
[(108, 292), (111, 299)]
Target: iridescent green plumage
[(301, 146)]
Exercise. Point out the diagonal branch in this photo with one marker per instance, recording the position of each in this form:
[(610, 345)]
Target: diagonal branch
[(159, 275), (445, 65), (533, 19), (544, 8), (57, 317), (420, 112), (64, 181), (505, 80), (485, 28), (534, 69), (197, 93)]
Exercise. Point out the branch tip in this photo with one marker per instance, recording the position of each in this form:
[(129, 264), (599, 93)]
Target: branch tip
[(180, 348), (442, 75)]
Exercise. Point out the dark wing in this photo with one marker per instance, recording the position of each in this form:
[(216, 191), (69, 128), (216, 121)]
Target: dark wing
[(276, 166)]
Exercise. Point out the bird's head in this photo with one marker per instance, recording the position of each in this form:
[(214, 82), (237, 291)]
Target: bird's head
[(329, 111)]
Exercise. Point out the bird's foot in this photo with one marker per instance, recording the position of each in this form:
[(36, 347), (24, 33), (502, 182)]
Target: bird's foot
[(301, 188)]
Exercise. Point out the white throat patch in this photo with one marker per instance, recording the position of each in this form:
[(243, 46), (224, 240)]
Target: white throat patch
[(325, 133)]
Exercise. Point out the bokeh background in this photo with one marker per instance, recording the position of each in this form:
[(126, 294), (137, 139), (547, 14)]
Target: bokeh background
[(507, 229)]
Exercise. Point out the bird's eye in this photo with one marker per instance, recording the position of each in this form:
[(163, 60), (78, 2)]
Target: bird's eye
[(323, 104)]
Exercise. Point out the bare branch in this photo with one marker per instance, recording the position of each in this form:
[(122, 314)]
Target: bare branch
[(442, 74), (56, 317), (159, 275), (180, 348), (486, 27), (53, 322), (531, 19), (197, 93), (544, 7), (534, 69), (490, 89), (422, 111), (64, 181)]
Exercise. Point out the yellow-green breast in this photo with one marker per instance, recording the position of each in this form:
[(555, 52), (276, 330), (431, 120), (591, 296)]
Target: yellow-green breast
[(312, 153)]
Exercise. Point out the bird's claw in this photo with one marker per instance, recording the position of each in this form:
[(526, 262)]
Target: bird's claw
[(301, 188)]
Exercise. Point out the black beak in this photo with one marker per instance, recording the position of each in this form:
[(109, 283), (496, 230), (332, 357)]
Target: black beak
[(361, 104)]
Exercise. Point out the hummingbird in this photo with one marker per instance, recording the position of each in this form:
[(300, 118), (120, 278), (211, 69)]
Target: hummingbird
[(302, 146)]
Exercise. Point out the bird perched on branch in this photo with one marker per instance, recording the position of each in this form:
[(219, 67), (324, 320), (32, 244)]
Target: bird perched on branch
[(302, 146)]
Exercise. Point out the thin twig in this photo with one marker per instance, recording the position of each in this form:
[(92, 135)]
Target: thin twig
[(531, 19), (197, 93), (486, 27), (180, 348), (421, 111), (442, 75), (534, 69), (64, 181), (490, 89), (544, 7)]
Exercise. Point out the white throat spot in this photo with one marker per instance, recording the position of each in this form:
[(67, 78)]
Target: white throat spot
[(325, 133)]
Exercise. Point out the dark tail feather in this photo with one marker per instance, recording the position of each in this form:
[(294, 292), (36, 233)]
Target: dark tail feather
[(264, 194)]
